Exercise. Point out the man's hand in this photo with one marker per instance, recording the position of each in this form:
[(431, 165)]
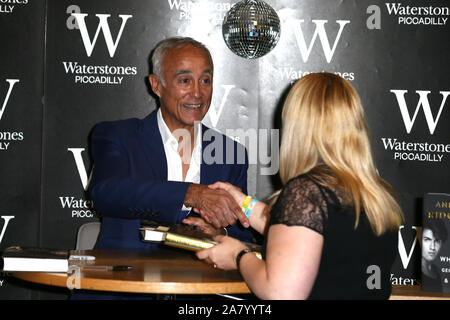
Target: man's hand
[(204, 226), (217, 207)]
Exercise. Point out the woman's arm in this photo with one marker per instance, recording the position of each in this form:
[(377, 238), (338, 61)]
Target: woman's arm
[(291, 265), (259, 217)]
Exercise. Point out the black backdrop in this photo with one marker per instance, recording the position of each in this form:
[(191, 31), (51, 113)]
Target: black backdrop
[(57, 81)]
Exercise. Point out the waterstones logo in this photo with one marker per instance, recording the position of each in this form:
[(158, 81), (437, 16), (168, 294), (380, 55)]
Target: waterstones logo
[(8, 137), (319, 32), (106, 74), (422, 150), (8, 6), (79, 208), (98, 74), (419, 15), (418, 151), (189, 10), (319, 37)]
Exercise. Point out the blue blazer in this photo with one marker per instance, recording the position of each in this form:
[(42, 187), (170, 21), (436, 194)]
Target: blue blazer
[(129, 180)]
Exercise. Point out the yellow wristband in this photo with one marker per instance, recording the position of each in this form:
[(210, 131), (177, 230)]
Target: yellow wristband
[(246, 202), (250, 207)]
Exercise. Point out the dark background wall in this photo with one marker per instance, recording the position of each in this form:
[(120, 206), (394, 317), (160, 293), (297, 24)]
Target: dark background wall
[(51, 97)]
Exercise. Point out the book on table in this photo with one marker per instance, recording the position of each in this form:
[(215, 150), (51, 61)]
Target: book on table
[(436, 243), (182, 236), (33, 259)]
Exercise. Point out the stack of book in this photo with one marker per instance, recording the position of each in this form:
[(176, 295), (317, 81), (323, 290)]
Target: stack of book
[(32, 259)]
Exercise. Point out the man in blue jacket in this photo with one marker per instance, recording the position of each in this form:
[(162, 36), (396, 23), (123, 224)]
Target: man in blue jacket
[(158, 168)]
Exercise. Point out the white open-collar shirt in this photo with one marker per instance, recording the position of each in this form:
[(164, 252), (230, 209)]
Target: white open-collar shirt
[(174, 161)]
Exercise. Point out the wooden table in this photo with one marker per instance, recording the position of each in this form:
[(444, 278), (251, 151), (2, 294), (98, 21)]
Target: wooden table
[(170, 271), (165, 271), (415, 293)]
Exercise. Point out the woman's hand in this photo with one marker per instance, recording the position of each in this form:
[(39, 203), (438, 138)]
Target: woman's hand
[(258, 217), (235, 192), (204, 226), (222, 255)]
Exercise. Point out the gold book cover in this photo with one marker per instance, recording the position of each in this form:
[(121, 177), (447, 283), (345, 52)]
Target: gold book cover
[(182, 236)]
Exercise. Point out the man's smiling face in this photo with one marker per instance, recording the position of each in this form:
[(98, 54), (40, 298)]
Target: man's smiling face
[(186, 96)]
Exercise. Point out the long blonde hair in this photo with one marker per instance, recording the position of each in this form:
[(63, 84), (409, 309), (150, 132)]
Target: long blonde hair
[(325, 135)]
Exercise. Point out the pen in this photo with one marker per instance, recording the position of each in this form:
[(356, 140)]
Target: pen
[(107, 268), (81, 257)]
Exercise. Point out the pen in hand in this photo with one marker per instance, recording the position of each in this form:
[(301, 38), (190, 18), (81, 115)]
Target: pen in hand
[(107, 268)]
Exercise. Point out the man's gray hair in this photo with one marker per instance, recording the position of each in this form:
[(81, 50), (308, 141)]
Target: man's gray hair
[(169, 44)]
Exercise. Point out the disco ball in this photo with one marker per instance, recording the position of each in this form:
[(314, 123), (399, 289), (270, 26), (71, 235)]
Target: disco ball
[(251, 29)]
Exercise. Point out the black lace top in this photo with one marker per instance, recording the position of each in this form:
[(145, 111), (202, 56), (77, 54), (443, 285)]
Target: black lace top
[(355, 263)]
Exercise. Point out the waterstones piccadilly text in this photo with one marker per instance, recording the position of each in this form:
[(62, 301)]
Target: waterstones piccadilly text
[(399, 9), (415, 150), (419, 15), (103, 74), (74, 67)]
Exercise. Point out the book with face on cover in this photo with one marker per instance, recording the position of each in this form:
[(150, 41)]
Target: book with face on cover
[(435, 243), (33, 259), (182, 236)]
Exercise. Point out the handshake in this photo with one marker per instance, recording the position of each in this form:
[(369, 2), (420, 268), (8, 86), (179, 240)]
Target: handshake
[(218, 204)]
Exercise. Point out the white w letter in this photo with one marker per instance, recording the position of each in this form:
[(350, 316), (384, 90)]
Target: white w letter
[(423, 101), (11, 82), (214, 113), (402, 250), (80, 166), (103, 25), (319, 31), (6, 218)]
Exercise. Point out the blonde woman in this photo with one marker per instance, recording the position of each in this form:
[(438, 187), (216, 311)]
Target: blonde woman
[(331, 234)]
